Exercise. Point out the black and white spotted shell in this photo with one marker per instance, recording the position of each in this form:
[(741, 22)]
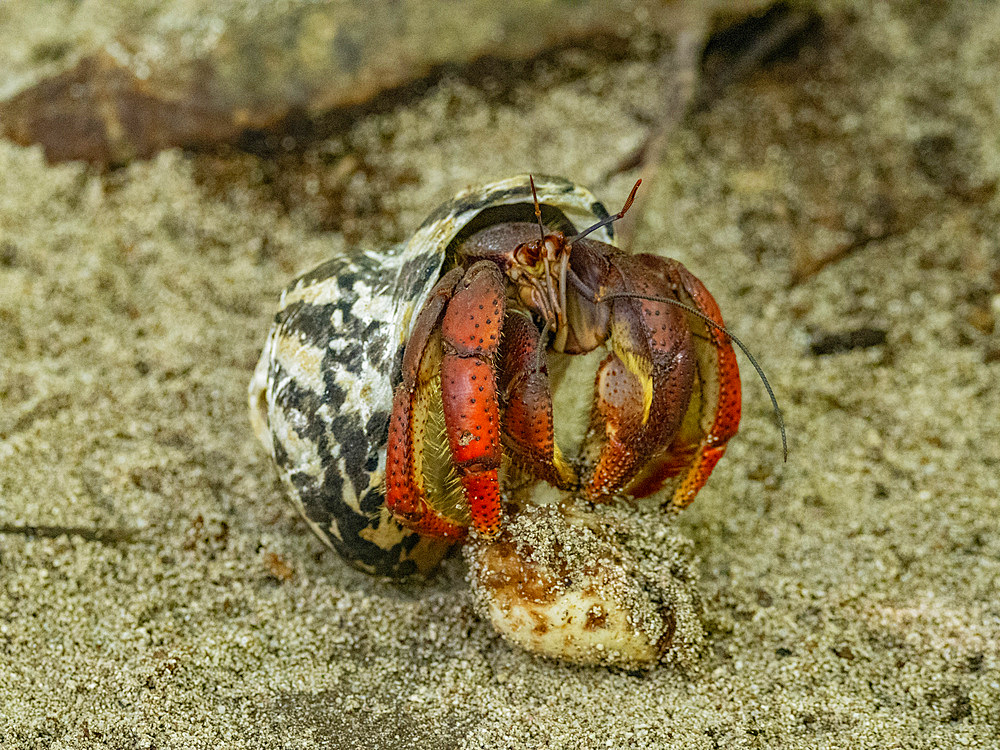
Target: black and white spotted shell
[(321, 395)]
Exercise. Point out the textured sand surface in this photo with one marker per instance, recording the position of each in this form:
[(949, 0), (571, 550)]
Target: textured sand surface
[(156, 590)]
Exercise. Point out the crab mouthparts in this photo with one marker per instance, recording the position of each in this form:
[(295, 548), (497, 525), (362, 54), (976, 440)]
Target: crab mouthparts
[(541, 285)]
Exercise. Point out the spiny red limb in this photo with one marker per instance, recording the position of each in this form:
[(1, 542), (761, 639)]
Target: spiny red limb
[(618, 406), (713, 415), (721, 398), (527, 421), (483, 493), (405, 491), (471, 336), (643, 389), (471, 414)]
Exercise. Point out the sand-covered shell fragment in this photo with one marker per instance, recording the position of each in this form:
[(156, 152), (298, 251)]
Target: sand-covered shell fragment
[(590, 586), (321, 395)]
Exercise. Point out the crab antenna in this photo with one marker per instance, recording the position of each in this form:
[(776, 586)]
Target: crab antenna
[(697, 313), (540, 350), (610, 219), (538, 209)]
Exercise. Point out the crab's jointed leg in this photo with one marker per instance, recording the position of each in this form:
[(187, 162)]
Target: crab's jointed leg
[(713, 415), (405, 493), (718, 417), (643, 387), (527, 423), (470, 333), (455, 337)]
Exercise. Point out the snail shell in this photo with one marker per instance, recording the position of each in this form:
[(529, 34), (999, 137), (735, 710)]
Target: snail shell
[(321, 395)]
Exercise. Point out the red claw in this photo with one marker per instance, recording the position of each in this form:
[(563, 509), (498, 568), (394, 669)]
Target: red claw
[(450, 356)]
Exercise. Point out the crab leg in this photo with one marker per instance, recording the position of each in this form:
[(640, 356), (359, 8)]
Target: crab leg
[(718, 411), (527, 420), (713, 414), (470, 333), (405, 493), (642, 390)]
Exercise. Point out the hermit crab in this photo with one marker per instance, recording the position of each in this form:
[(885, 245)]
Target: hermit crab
[(410, 393), (666, 396)]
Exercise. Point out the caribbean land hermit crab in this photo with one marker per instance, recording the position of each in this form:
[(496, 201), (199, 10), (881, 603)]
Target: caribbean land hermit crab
[(666, 396), (410, 393)]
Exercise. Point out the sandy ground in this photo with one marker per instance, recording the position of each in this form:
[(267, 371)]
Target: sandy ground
[(157, 591)]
